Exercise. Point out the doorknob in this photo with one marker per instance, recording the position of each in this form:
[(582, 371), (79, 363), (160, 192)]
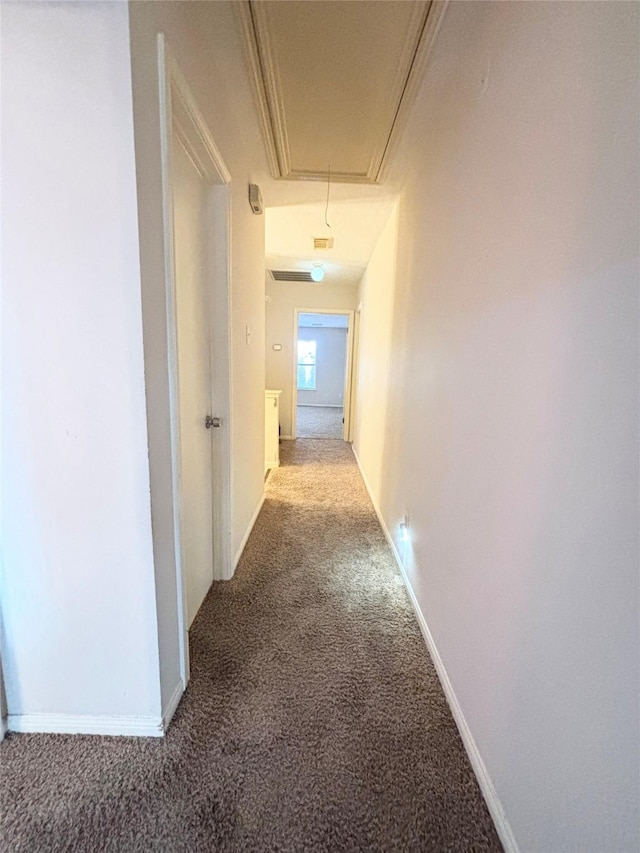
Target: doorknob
[(212, 422)]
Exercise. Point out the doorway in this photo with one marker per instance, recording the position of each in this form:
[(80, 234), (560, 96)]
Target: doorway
[(322, 374), (197, 236), (194, 332)]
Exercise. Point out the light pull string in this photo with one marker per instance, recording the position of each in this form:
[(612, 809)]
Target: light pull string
[(326, 210)]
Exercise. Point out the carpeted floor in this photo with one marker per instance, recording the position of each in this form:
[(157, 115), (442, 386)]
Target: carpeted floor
[(318, 422), (314, 720)]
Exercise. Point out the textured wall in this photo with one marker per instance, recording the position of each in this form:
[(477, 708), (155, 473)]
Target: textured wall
[(498, 401), (78, 605)]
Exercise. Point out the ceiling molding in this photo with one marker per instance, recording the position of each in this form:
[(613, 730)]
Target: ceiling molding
[(271, 84), (411, 65), (242, 10), (336, 177), (404, 68), (430, 30)]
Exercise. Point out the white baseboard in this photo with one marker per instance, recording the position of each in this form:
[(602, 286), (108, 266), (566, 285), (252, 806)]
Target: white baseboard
[(321, 405), (286, 438), (80, 724), (172, 704), (247, 534), (482, 774)]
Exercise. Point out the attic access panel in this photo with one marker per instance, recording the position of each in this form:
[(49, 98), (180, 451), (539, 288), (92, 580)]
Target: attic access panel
[(335, 81)]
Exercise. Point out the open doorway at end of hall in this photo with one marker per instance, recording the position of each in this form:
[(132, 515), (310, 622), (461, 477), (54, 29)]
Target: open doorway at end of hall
[(322, 377)]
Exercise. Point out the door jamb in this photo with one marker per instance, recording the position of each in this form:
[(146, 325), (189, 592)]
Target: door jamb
[(349, 388), (179, 112), (355, 369)]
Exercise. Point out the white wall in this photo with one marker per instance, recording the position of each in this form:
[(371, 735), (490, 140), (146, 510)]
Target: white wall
[(204, 41), (77, 587), (377, 352), (3, 704), (506, 377), (331, 354), (283, 297)]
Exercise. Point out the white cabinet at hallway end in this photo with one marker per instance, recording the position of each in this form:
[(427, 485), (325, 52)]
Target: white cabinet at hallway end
[(271, 429)]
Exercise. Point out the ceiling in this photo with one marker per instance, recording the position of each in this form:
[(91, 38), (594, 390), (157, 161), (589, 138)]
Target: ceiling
[(355, 228), (333, 86), (334, 81)]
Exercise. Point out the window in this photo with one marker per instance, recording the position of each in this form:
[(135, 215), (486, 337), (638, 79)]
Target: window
[(306, 365)]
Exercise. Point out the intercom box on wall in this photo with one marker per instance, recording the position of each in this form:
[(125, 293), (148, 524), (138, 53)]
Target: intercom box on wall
[(255, 198)]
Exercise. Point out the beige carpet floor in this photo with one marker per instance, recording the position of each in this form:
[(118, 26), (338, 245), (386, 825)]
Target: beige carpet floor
[(314, 720), (318, 422)]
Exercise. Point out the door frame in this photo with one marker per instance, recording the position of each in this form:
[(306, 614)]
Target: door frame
[(349, 388), (179, 113), (355, 369)]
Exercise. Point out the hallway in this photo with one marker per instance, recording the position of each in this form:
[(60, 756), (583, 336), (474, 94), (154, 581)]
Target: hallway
[(460, 181), (313, 721)]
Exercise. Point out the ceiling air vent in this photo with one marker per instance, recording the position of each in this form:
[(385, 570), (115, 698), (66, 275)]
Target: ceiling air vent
[(291, 275), (323, 242)]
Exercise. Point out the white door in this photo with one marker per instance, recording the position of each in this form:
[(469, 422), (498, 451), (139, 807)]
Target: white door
[(194, 375)]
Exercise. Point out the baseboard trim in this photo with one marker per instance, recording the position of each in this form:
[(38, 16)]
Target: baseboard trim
[(482, 774), (286, 438), (320, 405), (81, 724), (247, 534), (172, 705)]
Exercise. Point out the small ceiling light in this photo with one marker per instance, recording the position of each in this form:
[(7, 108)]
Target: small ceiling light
[(317, 273)]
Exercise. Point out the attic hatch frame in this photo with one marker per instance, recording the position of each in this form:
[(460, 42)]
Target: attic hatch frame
[(260, 59)]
